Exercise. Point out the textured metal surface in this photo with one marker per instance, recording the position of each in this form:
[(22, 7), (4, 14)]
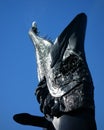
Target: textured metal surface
[(68, 82), (42, 48)]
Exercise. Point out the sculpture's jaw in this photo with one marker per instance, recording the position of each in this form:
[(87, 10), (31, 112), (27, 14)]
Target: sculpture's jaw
[(42, 49), (73, 36)]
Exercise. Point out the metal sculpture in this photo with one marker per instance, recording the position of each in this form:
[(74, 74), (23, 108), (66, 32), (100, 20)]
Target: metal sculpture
[(65, 91)]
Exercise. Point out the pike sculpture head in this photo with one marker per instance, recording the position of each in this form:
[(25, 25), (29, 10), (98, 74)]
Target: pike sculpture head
[(51, 56), (65, 80)]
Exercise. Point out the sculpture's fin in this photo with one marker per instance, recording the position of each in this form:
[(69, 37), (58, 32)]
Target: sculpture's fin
[(27, 119), (73, 35)]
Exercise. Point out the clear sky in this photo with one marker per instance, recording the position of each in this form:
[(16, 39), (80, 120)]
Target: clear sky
[(18, 75)]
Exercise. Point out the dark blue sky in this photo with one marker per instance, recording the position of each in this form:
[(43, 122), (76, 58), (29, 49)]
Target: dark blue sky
[(18, 76)]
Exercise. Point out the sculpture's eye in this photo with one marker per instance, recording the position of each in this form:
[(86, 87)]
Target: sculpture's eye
[(65, 66), (70, 64)]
